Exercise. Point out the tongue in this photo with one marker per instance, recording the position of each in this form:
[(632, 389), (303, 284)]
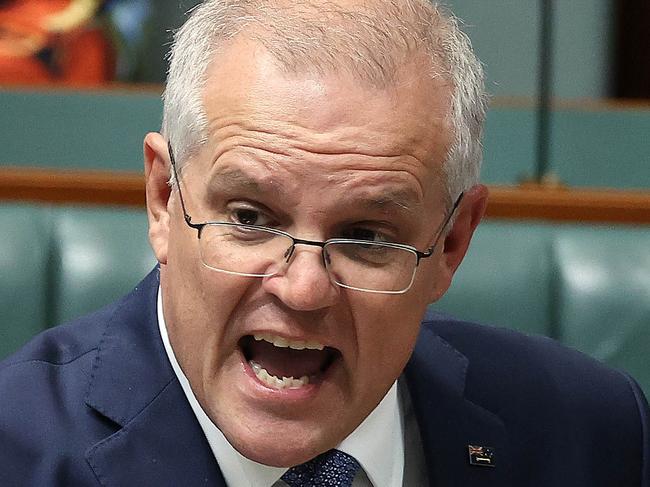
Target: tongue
[(287, 362)]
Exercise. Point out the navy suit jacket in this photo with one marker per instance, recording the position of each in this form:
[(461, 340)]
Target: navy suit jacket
[(96, 402)]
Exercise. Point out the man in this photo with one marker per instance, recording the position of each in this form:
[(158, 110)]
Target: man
[(314, 188)]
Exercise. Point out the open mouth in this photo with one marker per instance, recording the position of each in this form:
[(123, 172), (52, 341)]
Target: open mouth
[(280, 363)]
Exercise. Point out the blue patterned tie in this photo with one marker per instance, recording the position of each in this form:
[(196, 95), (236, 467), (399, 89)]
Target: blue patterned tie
[(330, 469)]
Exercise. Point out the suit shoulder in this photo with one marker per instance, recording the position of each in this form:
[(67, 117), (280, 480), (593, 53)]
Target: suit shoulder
[(43, 390), (549, 394), (508, 355), (58, 359), (64, 343), (42, 396), (512, 371)]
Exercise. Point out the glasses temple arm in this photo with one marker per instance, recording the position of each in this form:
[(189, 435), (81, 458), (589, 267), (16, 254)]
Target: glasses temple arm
[(172, 160), (441, 230)]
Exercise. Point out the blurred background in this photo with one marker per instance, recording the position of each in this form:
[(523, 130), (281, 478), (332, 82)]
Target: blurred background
[(589, 59), (564, 252), (599, 47)]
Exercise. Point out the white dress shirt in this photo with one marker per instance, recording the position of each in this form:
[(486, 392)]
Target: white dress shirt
[(377, 443)]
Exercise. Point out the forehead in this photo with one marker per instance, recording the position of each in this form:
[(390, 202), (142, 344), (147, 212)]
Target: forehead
[(249, 98), (244, 78)]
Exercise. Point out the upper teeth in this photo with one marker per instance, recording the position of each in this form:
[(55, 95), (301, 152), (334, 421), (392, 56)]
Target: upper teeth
[(284, 343)]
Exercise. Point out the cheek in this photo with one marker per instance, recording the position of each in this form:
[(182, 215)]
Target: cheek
[(182, 279), (198, 303), (197, 290), (430, 279), (204, 302), (387, 335)]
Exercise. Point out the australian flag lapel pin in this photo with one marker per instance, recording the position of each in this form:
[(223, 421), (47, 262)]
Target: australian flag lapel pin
[(481, 456)]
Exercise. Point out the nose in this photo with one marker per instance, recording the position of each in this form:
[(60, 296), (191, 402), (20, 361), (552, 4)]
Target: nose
[(304, 284)]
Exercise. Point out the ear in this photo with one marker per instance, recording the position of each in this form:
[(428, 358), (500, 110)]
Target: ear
[(156, 172), (455, 243)]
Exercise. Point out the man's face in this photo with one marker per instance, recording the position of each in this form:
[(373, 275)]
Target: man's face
[(318, 157)]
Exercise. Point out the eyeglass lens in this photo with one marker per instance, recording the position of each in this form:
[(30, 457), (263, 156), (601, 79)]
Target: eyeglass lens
[(254, 251)]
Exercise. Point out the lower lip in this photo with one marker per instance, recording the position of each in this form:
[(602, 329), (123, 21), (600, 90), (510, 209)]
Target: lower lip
[(303, 393)]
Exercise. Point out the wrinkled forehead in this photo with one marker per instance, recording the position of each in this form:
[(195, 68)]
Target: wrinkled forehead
[(411, 115)]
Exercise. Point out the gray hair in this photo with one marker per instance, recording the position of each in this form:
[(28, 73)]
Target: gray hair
[(371, 40)]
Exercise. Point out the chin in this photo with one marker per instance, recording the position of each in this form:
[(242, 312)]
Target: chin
[(279, 445), (279, 427)]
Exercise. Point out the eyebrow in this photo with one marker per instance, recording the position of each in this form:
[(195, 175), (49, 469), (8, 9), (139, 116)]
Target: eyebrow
[(404, 199), (231, 180)]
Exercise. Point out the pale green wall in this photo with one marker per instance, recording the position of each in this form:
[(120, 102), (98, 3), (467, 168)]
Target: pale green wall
[(76, 130), (588, 147), (505, 34), (104, 130)]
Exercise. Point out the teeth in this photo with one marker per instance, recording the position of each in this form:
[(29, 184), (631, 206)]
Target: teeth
[(276, 382), (280, 342), (284, 343)]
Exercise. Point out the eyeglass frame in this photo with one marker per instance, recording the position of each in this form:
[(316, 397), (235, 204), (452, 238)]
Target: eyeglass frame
[(316, 243)]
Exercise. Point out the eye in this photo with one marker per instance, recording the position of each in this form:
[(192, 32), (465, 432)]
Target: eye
[(249, 215), (365, 233)]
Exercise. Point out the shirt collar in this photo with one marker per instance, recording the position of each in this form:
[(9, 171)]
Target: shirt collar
[(377, 443)]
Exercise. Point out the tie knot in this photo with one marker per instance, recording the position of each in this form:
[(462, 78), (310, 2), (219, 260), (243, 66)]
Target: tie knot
[(330, 469)]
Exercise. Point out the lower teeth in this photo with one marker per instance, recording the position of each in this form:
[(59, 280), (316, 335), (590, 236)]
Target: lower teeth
[(277, 382)]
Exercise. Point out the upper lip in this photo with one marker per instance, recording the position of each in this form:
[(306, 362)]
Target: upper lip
[(302, 329), (325, 342)]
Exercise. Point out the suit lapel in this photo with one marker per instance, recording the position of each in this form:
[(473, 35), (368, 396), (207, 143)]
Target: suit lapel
[(163, 445), (160, 442), (448, 421)]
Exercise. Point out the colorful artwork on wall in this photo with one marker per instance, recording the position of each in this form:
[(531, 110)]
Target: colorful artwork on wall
[(70, 42)]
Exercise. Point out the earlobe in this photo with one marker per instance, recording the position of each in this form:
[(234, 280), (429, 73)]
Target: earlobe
[(156, 171), (456, 242)]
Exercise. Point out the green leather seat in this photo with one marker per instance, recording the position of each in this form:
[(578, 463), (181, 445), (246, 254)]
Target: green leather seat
[(587, 286), (505, 278), (99, 255), (602, 300), (23, 265)]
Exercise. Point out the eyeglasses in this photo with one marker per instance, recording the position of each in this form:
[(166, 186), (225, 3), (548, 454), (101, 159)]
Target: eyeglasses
[(258, 251)]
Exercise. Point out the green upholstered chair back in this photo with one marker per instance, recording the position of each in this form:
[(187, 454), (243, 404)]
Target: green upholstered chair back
[(505, 278), (602, 297), (587, 286), (24, 250), (60, 263), (97, 256)]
